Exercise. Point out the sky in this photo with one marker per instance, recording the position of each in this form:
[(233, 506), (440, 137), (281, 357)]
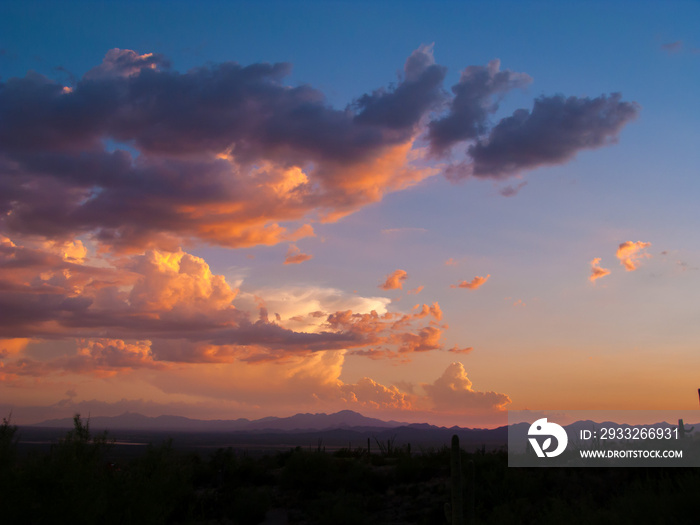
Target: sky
[(426, 213)]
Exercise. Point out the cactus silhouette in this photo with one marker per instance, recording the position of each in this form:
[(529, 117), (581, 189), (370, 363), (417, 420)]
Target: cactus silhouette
[(683, 431), (454, 511)]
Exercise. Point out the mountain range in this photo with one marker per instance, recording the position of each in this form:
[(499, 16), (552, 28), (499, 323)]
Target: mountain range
[(344, 419)]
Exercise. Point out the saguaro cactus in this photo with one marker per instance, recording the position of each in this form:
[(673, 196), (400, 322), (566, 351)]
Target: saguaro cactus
[(454, 511), (683, 431)]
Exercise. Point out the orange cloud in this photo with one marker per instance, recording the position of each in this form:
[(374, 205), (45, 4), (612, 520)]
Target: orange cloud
[(453, 392), (475, 283), (368, 393), (415, 291), (450, 262), (294, 255), (98, 357), (178, 281), (630, 252), (12, 346), (596, 271), (394, 281)]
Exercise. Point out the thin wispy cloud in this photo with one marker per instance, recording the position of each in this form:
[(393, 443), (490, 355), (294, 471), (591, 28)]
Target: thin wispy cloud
[(294, 255), (596, 271), (474, 284)]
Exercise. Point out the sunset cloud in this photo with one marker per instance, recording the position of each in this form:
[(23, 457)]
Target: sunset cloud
[(294, 255), (453, 392), (457, 350), (474, 284), (395, 280), (126, 195), (368, 393), (630, 253), (596, 271), (132, 156)]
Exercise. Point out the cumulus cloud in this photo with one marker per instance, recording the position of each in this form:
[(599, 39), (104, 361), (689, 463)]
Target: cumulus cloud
[(136, 155), (453, 392), (402, 108), (188, 314), (99, 357), (179, 170), (596, 271), (630, 253), (475, 98), (294, 255), (395, 280), (474, 284), (368, 393), (552, 133)]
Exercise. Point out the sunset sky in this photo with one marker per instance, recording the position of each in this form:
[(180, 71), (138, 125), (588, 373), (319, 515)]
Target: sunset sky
[(426, 213)]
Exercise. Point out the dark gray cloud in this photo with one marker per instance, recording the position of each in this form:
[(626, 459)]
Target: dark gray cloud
[(401, 108), (555, 130), (476, 96)]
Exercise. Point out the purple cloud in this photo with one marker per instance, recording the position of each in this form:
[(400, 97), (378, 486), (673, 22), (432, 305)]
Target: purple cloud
[(555, 130), (475, 98)]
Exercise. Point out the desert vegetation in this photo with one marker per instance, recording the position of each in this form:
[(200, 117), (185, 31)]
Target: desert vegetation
[(79, 481)]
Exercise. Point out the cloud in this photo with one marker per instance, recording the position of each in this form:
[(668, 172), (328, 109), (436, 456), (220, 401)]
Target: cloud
[(294, 255), (596, 271), (12, 346), (394, 281), (99, 357), (401, 108), (554, 131), (186, 314), (368, 393), (511, 191), (630, 253), (673, 47), (125, 63), (475, 98), (135, 155), (453, 392), (415, 291), (474, 284), (457, 350), (175, 169)]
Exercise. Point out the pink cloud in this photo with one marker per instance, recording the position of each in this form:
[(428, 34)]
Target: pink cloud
[(474, 284), (453, 392), (294, 255)]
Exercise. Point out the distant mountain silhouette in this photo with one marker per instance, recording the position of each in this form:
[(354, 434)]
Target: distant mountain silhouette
[(345, 419)]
